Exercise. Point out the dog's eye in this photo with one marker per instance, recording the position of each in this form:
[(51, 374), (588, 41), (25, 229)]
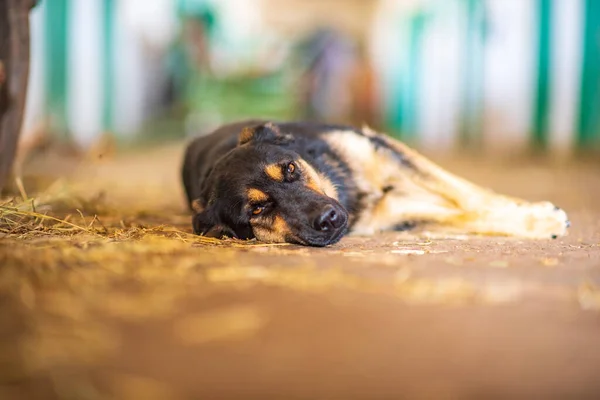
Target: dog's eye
[(291, 168), (256, 210)]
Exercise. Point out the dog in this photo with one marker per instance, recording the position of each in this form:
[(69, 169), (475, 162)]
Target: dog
[(311, 183)]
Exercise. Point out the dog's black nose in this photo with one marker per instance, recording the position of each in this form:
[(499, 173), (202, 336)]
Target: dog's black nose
[(328, 219)]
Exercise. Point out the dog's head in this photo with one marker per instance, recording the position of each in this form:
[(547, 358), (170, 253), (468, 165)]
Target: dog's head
[(263, 189)]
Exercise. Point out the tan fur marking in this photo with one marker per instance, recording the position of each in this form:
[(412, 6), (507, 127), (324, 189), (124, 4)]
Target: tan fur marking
[(328, 187), (197, 206), (274, 172), (256, 195), (313, 185), (246, 135), (316, 181), (275, 233)]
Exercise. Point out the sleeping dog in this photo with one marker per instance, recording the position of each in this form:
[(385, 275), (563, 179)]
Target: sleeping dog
[(311, 183)]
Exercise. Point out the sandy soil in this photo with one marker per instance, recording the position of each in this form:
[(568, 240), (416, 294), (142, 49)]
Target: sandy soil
[(136, 308)]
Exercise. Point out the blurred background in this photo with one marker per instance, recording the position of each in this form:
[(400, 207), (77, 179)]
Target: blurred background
[(106, 294), (494, 75)]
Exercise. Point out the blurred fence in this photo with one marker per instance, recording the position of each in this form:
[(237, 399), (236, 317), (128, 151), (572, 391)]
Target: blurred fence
[(497, 74), (92, 62), (494, 73)]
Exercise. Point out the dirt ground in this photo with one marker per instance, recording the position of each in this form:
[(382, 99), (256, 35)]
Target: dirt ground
[(130, 305)]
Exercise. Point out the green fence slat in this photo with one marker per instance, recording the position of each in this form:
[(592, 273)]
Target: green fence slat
[(472, 78), (394, 99), (56, 17), (108, 65), (541, 109), (412, 81), (588, 126)]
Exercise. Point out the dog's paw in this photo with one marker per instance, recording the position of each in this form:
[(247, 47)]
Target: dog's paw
[(558, 221), (542, 220), (520, 219)]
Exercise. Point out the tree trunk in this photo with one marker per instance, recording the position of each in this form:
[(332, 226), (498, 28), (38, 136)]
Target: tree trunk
[(14, 71)]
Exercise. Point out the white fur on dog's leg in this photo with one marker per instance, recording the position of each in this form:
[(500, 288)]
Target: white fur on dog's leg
[(528, 220)]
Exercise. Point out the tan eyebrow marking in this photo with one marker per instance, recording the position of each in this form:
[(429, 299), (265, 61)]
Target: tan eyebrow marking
[(274, 172), (256, 195)]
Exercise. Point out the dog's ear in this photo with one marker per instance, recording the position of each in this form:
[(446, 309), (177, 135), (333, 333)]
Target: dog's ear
[(268, 132), (205, 224)]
